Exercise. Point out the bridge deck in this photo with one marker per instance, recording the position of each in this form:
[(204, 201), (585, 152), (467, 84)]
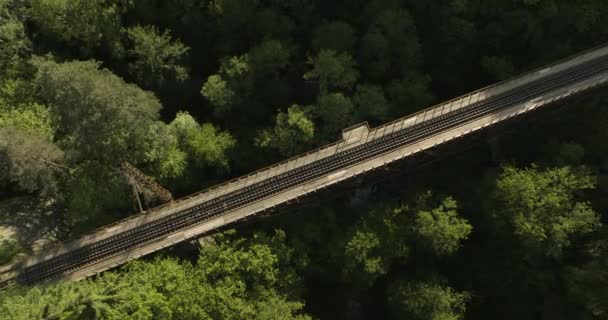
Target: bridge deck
[(351, 137)]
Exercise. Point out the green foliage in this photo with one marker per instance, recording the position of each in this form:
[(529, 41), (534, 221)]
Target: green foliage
[(362, 250), (440, 228), (292, 132), (235, 67), (588, 284), (290, 262), (420, 300), (335, 35), (389, 234), (232, 280), (272, 23), (564, 154), (542, 208), (390, 48), (15, 92), (9, 248), (156, 56), (232, 84), (499, 68), (232, 17), (375, 55), (370, 103), (35, 119), (14, 44), (95, 195), (205, 144), (218, 92), (409, 94), (167, 158), (102, 117), (29, 161), (89, 23), (399, 29), (183, 124), (208, 145), (270, 56), (103, 121), (333, 70), (335, 111)]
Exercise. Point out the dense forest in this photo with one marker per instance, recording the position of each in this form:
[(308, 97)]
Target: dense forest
[(195, 92)]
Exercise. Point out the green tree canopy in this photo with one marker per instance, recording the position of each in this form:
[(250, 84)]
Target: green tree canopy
[(269, 56), (422, 300), (218, 92), (409, 94), (205, 144), (333, 70), (208, 145), (233, 279), (499, 67), (33, 118), (542, 207), (389, 234), (374, 53), (335, 35), (15, 92), (29, 161), (292, 133), (588, 283), (102, 117), (231, 85), (103, 121), (166, 155), (390, 48), (335, 111), (89, 23), (156, 56), (370, 103), (439, 228), (14, 44)]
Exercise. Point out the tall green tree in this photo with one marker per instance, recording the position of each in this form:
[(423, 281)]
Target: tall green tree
[(370, 103), (390, 48), (33, 118), (230, 86), (542, 208), (418, 300), (102, 118), (156, 56), (292, 133), (334, 35), (588, 283), (335, 112), (409, 95), (218, 92), (103, 121), (268, 57), (390, 233), (14, 43), (166, 155), (204, 143), (208, 145), (332, 70), (439, 229), (88, 24), (31, 162)]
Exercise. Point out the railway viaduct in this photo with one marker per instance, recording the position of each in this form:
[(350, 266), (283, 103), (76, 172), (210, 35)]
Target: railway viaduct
[(361, 150)]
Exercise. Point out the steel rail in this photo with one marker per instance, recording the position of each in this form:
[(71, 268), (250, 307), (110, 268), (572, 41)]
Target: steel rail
[(159, 229)]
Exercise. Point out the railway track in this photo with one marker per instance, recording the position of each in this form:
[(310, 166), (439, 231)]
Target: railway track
[(92, 253)]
